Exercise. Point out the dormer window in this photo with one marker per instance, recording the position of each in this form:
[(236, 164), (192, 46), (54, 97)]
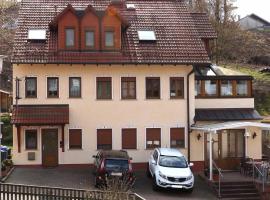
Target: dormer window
[(109, 39), (89, 39), (70, 37)]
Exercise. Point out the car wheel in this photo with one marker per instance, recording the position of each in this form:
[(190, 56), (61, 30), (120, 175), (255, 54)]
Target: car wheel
[(148, 174), (154, 184)]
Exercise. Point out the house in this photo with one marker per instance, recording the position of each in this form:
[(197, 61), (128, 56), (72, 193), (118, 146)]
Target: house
[(254, 22), (130, 75)]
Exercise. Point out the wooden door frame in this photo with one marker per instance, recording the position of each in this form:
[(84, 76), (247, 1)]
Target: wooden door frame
[(42, 154)]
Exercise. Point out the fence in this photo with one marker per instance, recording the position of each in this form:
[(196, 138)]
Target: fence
[(26, 192)]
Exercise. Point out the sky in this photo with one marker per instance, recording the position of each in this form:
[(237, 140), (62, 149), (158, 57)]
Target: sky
[(258, 7)]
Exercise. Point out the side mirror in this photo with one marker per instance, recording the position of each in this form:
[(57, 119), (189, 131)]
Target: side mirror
[(153, 162), (94, 156), (130, 158), (191, 164)]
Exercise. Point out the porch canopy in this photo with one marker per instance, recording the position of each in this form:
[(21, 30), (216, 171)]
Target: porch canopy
[(40, 115), (214, 128)]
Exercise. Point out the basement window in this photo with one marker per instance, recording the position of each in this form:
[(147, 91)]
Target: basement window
[(36, 34), (147, 35)]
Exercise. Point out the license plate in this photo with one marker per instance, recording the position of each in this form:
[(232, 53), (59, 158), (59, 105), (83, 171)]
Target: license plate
[(116, 174), (177, 186)]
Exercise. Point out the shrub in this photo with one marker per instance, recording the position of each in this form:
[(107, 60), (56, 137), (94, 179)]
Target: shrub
[(6, 130)]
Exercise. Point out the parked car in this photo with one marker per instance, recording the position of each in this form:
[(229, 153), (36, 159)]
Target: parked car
[(169, 169), (112, 163)]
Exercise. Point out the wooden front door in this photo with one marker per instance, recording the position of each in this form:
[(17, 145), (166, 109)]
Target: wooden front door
[(228, 148), (50, 147)]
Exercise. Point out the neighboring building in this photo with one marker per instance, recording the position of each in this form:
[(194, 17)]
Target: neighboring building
[(122, 75), (254, 22)]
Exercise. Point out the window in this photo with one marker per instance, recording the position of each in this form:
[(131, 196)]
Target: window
[(104, 88), (109, 39), (147, 35), (129, 138), (153, 88), (31, 139), (37, 34), (70, 37), (242, 88), (75, 138), (104, 139), (89, 39), (177, 137), (30, 87), (153, 138), (198, 86), (176, 88), (210, 87), (74, 87), (226, 88), (128, 88), (235, 142), (52, 87)]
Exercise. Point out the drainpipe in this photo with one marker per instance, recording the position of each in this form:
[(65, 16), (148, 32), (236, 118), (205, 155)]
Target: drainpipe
[(188, 111)]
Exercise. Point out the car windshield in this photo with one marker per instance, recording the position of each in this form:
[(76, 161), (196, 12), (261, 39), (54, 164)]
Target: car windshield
[(116, 165), (173, 161)]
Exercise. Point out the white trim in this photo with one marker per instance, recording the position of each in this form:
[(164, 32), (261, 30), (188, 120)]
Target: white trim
[(160, 87), (230, 125), (169, 87)]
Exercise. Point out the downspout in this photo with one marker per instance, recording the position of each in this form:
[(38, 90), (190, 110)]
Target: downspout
[(188, 111)]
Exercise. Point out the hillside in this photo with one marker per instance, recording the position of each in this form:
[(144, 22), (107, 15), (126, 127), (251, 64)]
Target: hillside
[(261, 86)]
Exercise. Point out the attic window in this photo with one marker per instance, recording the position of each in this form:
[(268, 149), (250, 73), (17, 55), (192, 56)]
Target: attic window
[(36, 34), (147, 35), (131, 6)]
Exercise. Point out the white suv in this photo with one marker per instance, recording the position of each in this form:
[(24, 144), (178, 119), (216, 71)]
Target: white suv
[(169, 169)]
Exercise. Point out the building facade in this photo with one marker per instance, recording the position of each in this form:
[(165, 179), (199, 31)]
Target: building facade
[(130, 75)]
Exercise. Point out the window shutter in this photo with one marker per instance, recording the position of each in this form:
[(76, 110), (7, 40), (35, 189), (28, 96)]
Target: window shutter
[(104, 138), (129, 138), (75, 138)]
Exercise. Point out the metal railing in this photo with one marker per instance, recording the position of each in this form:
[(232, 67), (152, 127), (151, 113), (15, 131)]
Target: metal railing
[(220, 175), (263, 173), (27, 192)]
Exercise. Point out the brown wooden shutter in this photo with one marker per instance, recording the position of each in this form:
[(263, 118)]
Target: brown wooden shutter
[(177, 133), (129, 138), (153, 134), (75, 138), (128, 78), (104, 138)]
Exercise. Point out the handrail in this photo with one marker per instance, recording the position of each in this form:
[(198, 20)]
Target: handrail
[(219, 177), (254, 167)]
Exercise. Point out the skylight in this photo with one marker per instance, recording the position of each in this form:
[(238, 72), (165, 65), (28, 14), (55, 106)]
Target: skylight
[(147, 35), (130, 6), (36, 34)]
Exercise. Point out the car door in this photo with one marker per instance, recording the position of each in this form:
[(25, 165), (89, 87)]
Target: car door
[(153, 159)]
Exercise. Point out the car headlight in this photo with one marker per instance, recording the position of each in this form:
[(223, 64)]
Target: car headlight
[(162, 175), (189, 177)]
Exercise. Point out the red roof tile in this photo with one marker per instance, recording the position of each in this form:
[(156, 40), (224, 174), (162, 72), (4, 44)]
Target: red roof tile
[(177, 42), (203, 26), (40, 114)]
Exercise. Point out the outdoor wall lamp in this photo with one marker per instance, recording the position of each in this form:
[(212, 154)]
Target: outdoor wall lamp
[(254, 135), (199, 136)]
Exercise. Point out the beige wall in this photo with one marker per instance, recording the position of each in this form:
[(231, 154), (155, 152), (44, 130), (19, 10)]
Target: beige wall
[(225, 103), (90, 114)]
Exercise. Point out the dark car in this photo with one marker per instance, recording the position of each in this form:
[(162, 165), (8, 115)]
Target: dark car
[(110, 164)]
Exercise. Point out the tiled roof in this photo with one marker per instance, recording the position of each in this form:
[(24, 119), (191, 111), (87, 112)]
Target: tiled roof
[(177, 42), (204, 26), (232, 114), (40, 114)]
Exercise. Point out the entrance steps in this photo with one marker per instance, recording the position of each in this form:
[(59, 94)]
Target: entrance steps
[(240, 190)]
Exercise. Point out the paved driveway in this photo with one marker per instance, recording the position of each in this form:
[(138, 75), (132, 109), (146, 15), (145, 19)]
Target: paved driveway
[(82, 178)]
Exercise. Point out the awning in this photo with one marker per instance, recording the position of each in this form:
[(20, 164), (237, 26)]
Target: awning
[(229, 125), (40, 115), (229, 114)]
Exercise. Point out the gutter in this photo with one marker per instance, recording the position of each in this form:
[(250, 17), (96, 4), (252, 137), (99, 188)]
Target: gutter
[(188, 111)]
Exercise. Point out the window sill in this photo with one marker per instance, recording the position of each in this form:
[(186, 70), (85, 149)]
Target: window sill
[(71, 149), (31, 97), (147, 99), (129, 99), (74, 97), (31, 149), (103, 99)]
